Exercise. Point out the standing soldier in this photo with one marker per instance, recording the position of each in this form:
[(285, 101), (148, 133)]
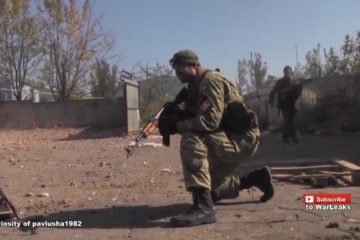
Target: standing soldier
[(287, 94), (218, 132)]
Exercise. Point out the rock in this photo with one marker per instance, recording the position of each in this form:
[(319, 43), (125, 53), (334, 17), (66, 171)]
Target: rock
[(351, 220), (150, 144), (354, 229), (72, 184), (102, 164), (44, 194), (168, 170), (66, 202), (29, 194), (332, 225), (12, 161)]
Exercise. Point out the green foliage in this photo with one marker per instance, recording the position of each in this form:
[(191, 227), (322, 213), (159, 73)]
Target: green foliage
[(351, 54), (331, 63), (259, 70), (150, 109), (103, 79), (156, 87), (242, 71), (313, 67), (251, 73)]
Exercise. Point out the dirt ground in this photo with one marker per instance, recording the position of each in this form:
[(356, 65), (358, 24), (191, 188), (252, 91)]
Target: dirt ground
[(84, 176)]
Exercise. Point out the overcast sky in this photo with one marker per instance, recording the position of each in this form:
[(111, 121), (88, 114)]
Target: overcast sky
[(224, 31)]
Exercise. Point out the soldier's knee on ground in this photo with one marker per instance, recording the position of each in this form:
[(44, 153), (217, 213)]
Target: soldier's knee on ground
[(227, 189), (260, 178)]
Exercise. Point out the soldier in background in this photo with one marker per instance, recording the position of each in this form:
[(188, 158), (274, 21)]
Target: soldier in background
[(287, 94), (218, 132)]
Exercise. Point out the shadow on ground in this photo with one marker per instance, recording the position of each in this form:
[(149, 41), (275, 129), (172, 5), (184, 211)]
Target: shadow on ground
[(142, 216), (96, 133), (310, 148)]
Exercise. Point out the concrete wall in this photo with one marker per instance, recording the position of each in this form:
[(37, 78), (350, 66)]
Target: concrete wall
[(89, 113), (17, 114), (259, 102), (312, 93)]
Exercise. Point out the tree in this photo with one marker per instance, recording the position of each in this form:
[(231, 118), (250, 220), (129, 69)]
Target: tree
[(299, 71), (270, 81), (19, 43), (332, 62), (104, 79), (350, 62), (258, 70), (313, 67), (74, 39), (251, 73), (242, 72), (316, 66), (154, 85)]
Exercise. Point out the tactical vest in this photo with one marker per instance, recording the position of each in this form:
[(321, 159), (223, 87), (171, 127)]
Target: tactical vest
[(237, 117)]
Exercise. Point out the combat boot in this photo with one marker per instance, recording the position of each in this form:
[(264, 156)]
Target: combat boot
[(260, 178), (201, 212)]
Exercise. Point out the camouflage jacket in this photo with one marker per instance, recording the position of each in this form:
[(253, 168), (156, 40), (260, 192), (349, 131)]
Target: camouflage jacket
[(210, 96)]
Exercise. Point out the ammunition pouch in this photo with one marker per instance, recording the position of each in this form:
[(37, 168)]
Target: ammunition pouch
[(237, 118)]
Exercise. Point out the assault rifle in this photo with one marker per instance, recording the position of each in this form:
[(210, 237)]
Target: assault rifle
[(287, 97), (153, 123), (144, 133), (298, 83)]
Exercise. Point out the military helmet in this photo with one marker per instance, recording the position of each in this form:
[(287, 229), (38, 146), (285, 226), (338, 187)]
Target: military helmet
[(184, 56)]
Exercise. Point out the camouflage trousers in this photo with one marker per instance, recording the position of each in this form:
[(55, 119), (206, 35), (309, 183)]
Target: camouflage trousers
[(209, 160)]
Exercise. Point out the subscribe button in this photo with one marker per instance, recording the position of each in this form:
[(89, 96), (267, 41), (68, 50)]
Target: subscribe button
[(327, 198)]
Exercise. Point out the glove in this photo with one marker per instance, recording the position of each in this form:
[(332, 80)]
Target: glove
[(169, 108), (167, 125)]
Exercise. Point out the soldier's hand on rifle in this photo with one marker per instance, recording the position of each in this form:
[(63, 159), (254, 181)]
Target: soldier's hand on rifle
[(167, 125), (168, 108)]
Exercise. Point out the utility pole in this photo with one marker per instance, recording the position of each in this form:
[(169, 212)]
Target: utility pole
[(297, 71), (297, 56)]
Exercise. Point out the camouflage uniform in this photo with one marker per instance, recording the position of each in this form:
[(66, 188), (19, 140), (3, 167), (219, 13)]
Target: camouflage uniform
[(209, 154), (218, 131)]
